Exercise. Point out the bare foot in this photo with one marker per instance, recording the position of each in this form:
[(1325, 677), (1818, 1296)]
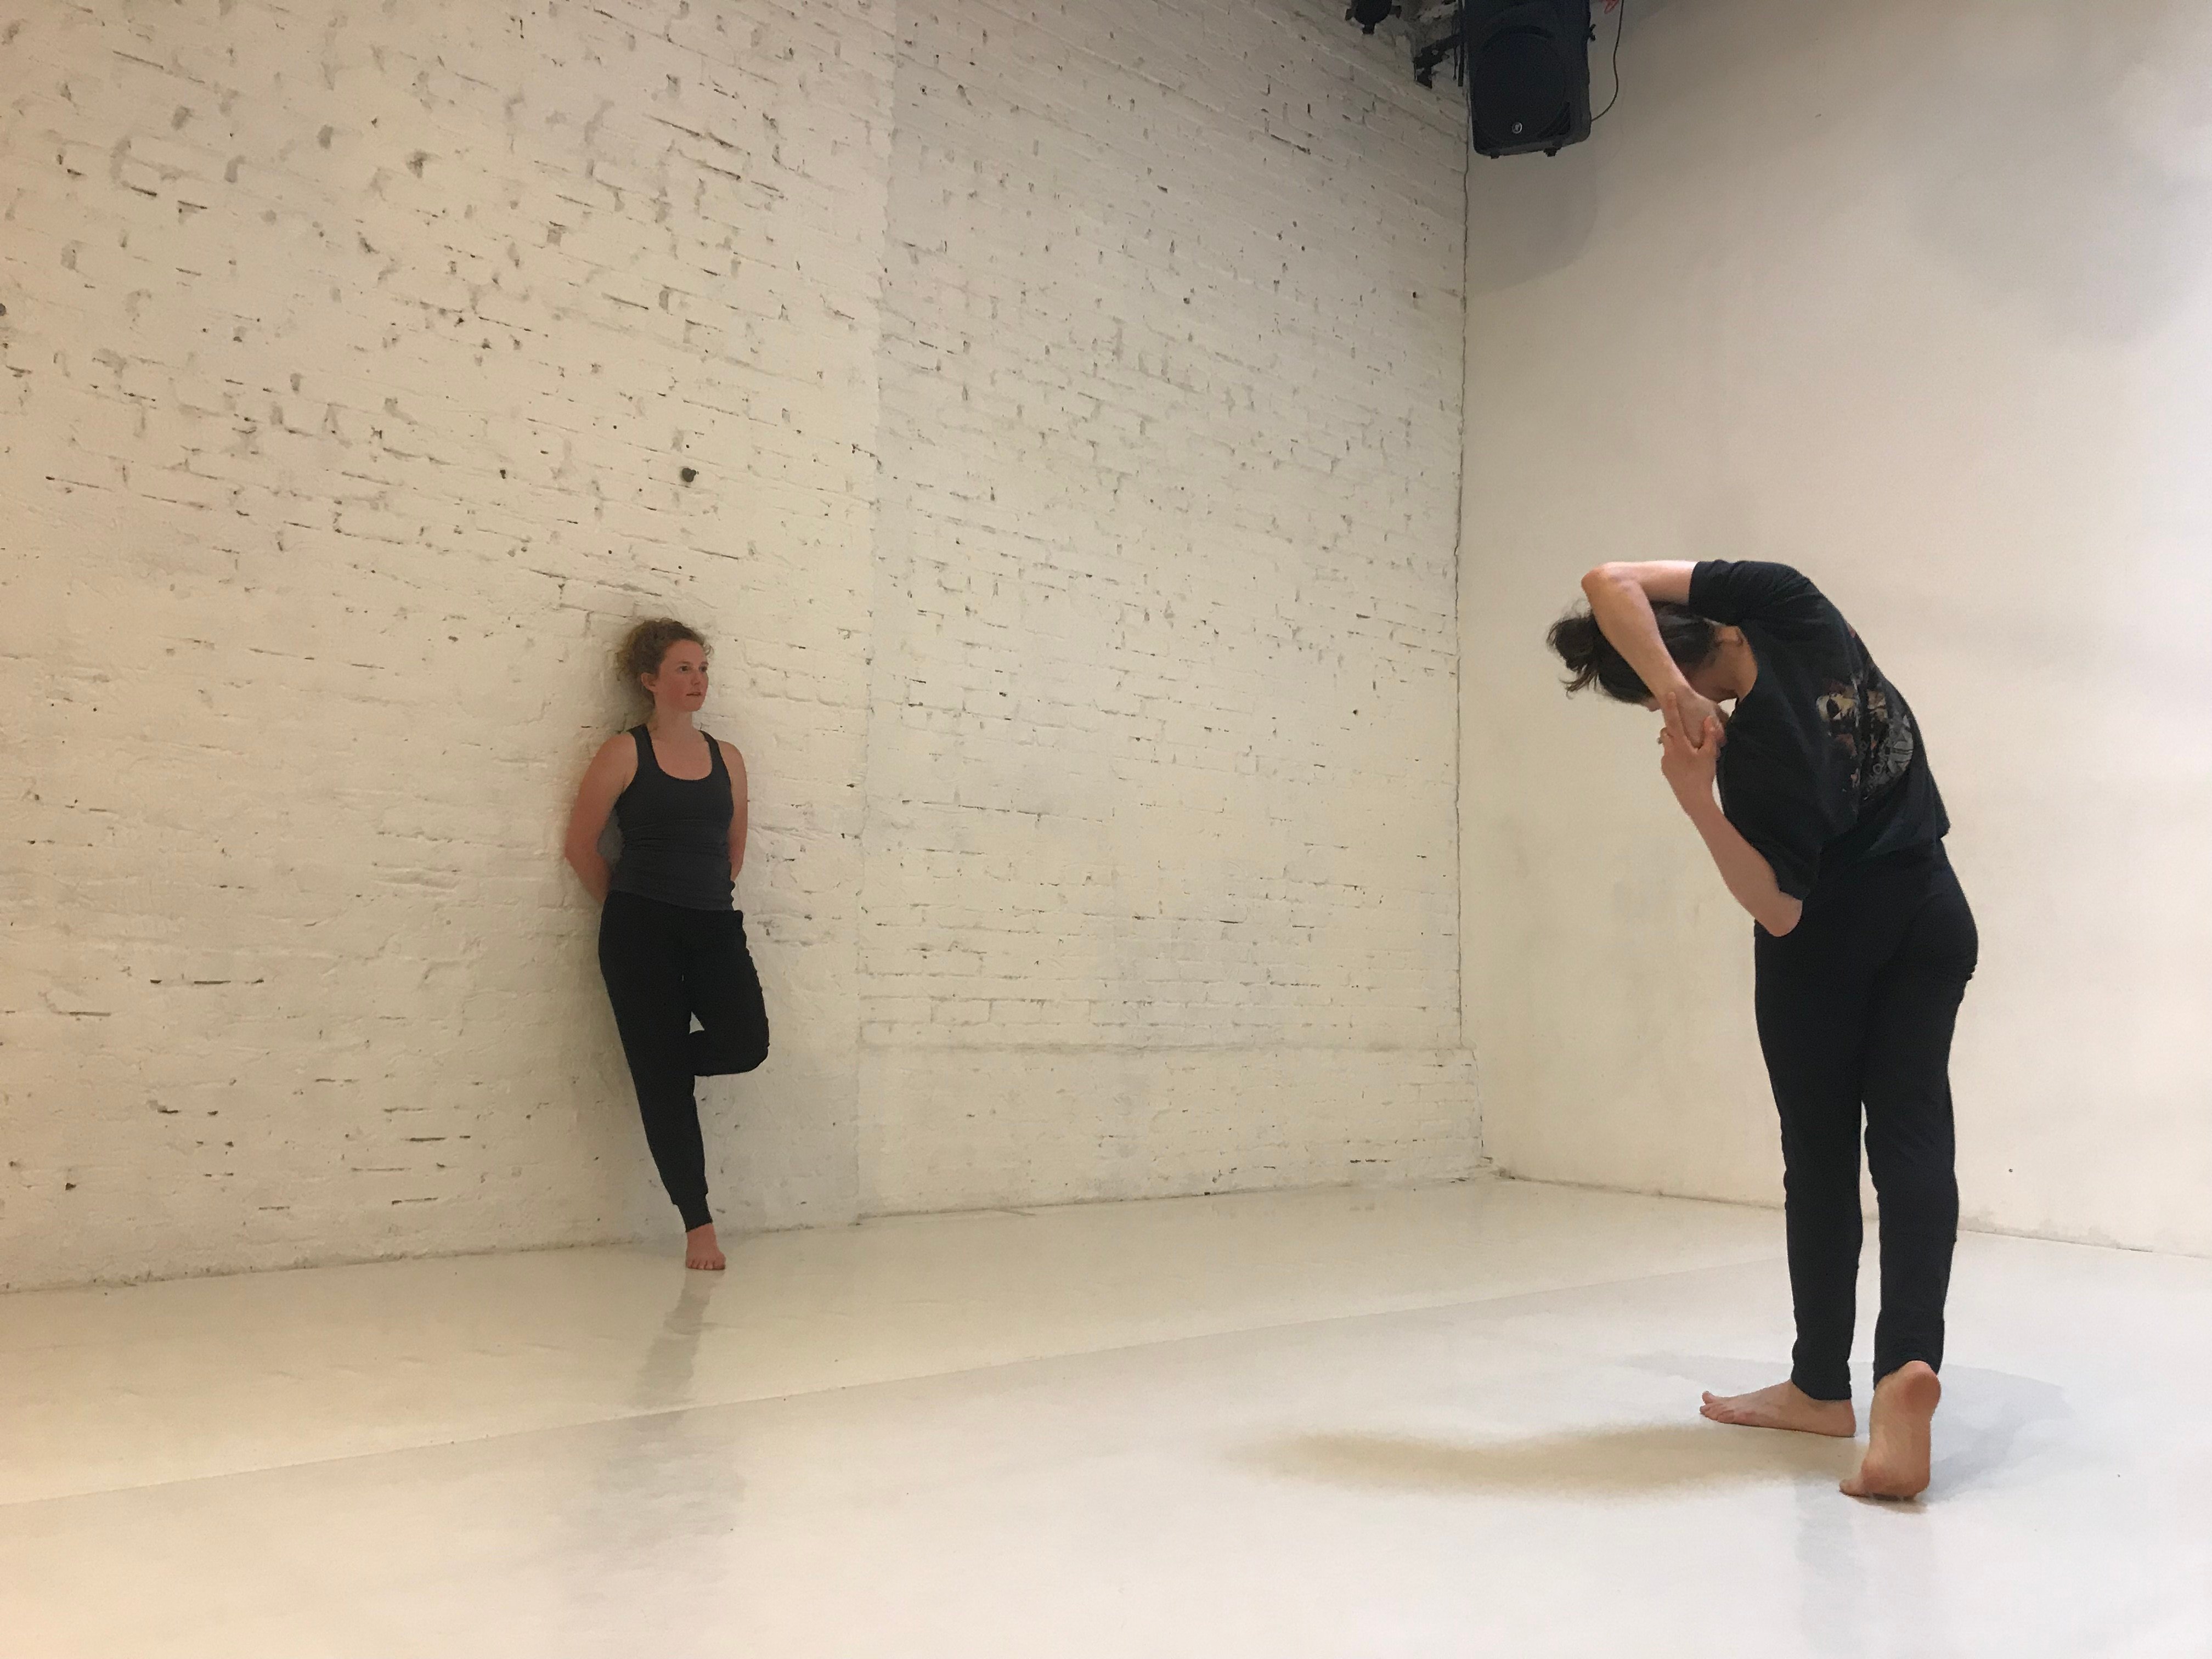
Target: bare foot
[(701, 1251), (1784, 1406), (1896, 1461)]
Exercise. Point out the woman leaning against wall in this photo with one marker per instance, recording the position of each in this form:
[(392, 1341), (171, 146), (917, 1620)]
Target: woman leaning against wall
[(672, 944)]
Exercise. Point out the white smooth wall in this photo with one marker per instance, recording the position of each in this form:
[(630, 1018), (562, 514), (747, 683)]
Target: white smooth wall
[(1073, 393), (1918, 298)]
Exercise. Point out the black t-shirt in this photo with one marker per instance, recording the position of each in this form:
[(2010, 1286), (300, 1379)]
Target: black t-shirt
[(1824, 766)]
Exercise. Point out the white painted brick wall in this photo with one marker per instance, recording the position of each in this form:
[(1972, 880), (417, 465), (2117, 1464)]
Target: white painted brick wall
[(1161, 755), (1078, 551), (352, 353)]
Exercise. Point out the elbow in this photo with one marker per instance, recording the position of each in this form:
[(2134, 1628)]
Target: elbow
[(1606, 579)]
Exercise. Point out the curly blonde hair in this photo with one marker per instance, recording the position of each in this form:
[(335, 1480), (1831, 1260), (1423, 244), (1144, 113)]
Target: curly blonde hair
[(645, 646)]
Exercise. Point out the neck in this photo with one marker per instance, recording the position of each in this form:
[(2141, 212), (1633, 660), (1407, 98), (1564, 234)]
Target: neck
[(1739, 666), (662, 720)]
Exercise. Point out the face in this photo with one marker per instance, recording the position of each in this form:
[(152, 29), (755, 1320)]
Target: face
[(681, 684), (1714, 679)]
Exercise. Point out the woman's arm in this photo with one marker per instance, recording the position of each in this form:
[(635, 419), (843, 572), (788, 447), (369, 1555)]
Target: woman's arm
[(1689, 770), (608, 776), (1621, 598), (740, 813)]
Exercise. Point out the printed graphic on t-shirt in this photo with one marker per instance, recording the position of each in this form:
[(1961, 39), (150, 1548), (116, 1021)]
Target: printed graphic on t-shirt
[(1825, 766), (1892, 745), (1875, 738)]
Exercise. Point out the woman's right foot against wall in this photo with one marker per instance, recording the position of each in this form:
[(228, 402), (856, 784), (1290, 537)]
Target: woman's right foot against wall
[(701, 1251), (1784, 1406)]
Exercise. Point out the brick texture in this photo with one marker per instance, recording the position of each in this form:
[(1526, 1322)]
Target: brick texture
[(1162, 754), (1073, 393)]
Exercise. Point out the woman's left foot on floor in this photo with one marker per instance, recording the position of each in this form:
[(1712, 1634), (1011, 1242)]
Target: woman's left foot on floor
[(1897, 1444), (701, 1251)]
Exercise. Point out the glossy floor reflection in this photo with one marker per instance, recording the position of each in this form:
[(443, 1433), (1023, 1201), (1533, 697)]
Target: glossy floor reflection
[(1449, 1422)]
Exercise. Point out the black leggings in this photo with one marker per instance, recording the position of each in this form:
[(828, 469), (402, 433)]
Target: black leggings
[(664, 964), (1856, 1007)]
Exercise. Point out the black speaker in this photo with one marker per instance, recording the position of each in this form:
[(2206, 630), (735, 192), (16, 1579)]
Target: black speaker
[(1527, 74)]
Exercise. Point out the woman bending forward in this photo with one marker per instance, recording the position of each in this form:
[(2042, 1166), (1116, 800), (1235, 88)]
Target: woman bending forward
[(1829, 830)]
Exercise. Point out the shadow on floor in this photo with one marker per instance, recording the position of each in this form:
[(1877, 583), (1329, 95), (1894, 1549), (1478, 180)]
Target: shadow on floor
[(1659, 1457)]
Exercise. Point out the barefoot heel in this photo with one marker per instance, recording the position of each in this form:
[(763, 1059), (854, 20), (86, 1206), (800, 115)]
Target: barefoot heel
[(1896, 1466), (1919, 1390)]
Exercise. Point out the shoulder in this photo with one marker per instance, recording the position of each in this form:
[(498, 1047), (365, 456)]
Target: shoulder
[(1776, 596), (731, 757), (617, 757), (1748, 580)]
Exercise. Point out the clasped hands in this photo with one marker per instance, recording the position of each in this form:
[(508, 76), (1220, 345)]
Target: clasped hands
[(1690, 744)]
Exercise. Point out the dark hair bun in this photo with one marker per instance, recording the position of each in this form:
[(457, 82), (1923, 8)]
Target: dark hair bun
[(1593, 660), (1577, 640)]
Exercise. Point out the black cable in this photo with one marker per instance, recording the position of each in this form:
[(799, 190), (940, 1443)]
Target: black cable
[(1618, 29)]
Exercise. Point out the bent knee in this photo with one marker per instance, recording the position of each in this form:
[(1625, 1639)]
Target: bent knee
[(735, 1059)]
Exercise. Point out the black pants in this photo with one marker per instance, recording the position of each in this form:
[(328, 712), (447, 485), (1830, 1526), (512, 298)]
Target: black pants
[(1856, 1007), (664, 964)]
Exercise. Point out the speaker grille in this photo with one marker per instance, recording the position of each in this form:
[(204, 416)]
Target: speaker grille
[(1521, 88)]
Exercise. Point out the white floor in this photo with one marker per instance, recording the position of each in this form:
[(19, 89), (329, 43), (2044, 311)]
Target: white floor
[(1451, 1422)]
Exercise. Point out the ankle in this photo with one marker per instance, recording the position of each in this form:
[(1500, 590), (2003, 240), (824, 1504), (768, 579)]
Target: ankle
[(1810, 1399)]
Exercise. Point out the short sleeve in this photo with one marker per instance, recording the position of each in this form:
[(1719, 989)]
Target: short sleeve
[(1774, 596), (1789, 842), (1784, 812)]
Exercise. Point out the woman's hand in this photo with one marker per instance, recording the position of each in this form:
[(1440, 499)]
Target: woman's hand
[(1687, 712), (1689, 767)]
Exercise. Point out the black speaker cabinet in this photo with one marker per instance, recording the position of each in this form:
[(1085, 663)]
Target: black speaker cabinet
[(1527, 74)]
